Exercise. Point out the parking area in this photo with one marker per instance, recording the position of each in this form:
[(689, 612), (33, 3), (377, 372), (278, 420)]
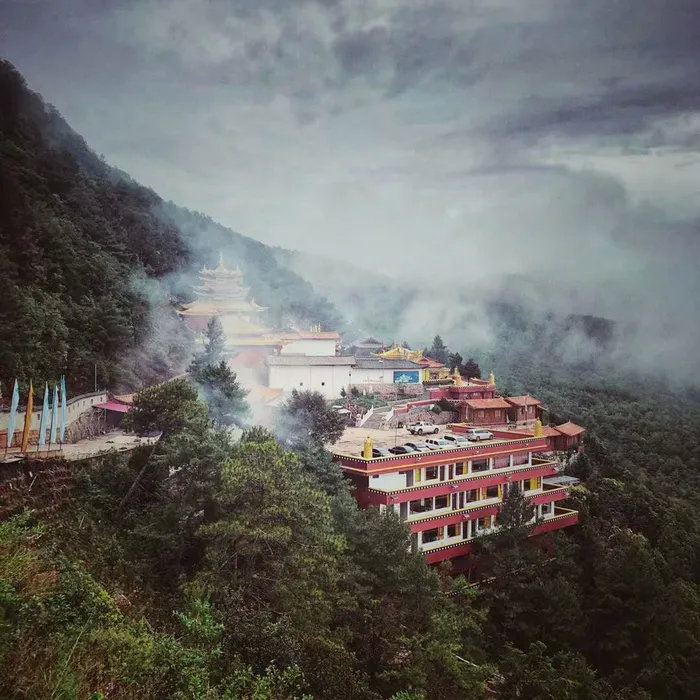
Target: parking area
[(353, 439)]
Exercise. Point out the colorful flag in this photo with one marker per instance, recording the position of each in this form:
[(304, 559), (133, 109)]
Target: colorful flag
[(28, 418), (13, 414), (44, 416), (54, 416), (64, 410)]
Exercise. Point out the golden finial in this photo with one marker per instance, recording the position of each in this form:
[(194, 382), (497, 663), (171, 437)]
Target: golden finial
[(367, 452), (492, 378), (458, 378), (538, 428)]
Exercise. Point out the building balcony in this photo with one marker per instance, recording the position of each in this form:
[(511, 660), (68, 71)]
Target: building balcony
[(397, 483), (453, 547)]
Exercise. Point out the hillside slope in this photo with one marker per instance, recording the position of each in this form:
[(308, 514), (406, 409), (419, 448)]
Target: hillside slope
[(90, 260)]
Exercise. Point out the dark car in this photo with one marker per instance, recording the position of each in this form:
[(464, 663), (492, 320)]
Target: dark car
[(401, 450), (380, 452), (418, 446)]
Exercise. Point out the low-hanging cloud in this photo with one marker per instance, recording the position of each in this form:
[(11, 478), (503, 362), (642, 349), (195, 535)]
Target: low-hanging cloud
[(452, 146)]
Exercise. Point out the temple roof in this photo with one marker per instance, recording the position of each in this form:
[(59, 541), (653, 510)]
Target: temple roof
[(481, 404), (204, 307), (401, 353), (570, 429), (380, 363), (523, 400), (306, 360), (311, 335)]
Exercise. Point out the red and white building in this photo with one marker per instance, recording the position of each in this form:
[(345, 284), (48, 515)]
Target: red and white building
[(450, 496)]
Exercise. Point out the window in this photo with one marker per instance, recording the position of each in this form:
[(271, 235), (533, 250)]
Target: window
[(431, 473), (430, 535), (480, 465), (492, 492), (452, 530), (526, 485), (442, 472), (459, 468), (421, 505), (472, 495), (440, 502)]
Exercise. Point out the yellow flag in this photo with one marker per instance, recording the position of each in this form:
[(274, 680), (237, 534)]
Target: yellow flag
[(28, 418)]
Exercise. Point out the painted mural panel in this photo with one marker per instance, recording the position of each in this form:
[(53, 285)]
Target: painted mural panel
[(406, 377)]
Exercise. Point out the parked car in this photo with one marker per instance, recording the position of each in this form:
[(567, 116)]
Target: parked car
[(478, 434), (379, 452), (422, 428), (456, 439), (401, 450), (437, 443), (418, 446)]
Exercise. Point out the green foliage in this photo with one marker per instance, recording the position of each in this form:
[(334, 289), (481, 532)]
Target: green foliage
[(307, 417), (77, 243), (438, 351), (165, 408), (215, 341), (222, 393)]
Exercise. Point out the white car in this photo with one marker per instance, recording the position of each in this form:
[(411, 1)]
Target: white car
[(478, 434), (437, 443), (458, 440), (422, 428)]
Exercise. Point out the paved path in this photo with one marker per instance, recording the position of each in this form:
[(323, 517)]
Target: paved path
[(115, 441)]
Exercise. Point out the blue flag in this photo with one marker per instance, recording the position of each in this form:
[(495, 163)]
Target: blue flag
[(13, 414), (44, 416), (54, 416), (64, 410)]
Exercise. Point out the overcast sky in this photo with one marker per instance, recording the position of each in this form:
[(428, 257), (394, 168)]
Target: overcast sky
[(559, 138)]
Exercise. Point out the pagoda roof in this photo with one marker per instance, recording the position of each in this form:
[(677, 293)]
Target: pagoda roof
[(523, 400), (202, 307)]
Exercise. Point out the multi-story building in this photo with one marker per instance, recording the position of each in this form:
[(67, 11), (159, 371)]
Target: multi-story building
[(450, 496)]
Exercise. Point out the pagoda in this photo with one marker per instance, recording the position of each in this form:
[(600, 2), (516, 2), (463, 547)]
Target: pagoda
[(221, 293)]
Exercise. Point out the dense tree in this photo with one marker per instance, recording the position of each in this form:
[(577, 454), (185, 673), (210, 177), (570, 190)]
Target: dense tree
[(215, 341), (165, 408), (221, 391), (438, 350), (307, 417), (471, 369)]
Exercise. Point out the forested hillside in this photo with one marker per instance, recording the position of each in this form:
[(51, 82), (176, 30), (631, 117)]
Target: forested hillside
[(90, 260)]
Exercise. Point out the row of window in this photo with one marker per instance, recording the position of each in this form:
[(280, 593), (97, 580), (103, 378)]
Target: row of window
[(457, 529), (447, 472), (458, 501), (464, 530)]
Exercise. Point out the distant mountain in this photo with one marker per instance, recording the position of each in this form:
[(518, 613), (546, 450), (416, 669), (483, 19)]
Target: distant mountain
[(90, 260)]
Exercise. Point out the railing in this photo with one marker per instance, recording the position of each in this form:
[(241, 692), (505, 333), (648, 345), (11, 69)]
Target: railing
[(366, 417)]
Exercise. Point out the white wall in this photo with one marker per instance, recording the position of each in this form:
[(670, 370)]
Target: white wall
[(394, 480), (327, 379), (76, 407), (316, 347)]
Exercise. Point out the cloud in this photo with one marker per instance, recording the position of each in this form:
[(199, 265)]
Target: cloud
[(447, 144)]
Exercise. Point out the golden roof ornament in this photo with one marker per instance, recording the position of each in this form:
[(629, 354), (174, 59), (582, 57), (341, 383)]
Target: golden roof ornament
[(538, 429), (367, 451)]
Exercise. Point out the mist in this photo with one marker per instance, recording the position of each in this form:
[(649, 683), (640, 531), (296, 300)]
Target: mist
[(447, 154)]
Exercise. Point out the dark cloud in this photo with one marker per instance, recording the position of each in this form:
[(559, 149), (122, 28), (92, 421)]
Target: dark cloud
[(555, 139)]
